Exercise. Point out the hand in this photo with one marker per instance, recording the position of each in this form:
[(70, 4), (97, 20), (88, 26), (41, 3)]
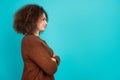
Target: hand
[(54, 55), (53, 59)]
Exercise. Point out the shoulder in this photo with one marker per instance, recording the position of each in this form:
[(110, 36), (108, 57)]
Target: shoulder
[(31, 39)]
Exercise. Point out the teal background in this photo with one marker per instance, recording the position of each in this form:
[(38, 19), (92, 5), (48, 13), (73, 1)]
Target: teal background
[(84, 33)]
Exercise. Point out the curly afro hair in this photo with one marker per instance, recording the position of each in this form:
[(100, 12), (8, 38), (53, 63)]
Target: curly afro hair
[(25, 19)]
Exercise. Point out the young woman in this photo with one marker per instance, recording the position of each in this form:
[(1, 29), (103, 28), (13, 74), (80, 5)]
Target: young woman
[(40, 62)]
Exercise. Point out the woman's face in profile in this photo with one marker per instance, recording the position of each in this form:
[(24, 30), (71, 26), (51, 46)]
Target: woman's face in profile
[(41, 23)]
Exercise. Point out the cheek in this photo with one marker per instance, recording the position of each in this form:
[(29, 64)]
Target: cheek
[(41, 26)]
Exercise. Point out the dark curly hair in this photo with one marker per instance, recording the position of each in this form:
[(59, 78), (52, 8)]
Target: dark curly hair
[(25, 19)]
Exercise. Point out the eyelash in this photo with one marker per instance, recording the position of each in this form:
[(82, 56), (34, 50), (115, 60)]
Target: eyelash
[(44, 19)]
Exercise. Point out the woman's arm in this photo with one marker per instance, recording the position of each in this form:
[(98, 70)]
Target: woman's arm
[(57, 58), (40, 56)]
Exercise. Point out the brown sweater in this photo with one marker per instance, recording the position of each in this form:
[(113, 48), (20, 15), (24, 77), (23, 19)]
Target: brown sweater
[(37, 55)]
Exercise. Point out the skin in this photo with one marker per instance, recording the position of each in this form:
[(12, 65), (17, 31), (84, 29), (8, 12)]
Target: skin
[(41, 26)]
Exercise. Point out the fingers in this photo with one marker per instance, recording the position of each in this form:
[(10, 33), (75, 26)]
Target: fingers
[(53, 59)]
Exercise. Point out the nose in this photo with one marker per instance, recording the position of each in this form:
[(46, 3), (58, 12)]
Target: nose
[(45, 21)]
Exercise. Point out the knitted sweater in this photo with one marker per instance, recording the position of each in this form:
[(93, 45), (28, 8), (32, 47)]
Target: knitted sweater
[(37, 55)]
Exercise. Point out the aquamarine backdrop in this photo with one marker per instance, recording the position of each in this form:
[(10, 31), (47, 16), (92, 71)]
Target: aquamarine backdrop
[(84, 33)]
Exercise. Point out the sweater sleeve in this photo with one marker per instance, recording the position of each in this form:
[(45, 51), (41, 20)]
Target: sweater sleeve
[(39, 55), (57, 59)]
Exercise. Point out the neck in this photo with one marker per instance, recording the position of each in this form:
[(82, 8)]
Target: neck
[(36, 33)]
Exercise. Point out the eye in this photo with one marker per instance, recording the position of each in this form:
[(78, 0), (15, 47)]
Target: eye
[(44, 19)]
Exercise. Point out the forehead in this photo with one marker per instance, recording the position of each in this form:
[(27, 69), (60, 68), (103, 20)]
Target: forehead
[(43, 15)]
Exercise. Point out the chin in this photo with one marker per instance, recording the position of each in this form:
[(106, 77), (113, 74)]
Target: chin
[(42, 30)]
